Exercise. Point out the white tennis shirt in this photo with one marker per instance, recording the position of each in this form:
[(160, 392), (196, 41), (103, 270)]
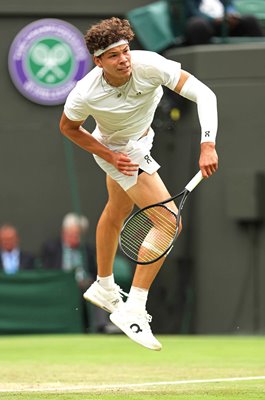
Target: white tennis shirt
[(125, 112)]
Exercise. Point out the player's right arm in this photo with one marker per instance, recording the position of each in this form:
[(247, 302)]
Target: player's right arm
[(74, 131)]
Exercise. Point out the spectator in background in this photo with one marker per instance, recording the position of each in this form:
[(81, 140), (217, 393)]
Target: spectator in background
[(12, 258), (208, 18), (70, 252)]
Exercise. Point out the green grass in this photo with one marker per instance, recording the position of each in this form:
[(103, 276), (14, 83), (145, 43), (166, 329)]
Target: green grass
[(75, 367)]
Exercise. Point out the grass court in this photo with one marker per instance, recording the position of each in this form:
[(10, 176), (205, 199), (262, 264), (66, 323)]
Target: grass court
[(84, 367)]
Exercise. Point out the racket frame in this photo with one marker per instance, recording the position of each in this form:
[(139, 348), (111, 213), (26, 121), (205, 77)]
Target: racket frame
[(184, 193)]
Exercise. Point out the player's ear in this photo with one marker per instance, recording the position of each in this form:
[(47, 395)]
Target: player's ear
[(97, 61)]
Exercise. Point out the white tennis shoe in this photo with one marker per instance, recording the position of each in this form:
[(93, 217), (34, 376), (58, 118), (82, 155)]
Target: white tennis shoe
[(109, 300), (136, 326)]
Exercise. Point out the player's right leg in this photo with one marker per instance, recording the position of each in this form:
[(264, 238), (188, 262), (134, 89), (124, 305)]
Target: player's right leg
[(104, 292)]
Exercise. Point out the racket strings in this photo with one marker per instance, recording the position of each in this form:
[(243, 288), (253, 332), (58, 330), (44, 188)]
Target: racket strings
[(157, 219), (149, 233)]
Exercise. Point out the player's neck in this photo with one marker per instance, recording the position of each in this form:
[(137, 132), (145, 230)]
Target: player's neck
[(114, 81)]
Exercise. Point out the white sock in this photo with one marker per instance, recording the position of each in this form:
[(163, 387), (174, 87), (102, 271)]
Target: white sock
[(107, 282), (137, 298)]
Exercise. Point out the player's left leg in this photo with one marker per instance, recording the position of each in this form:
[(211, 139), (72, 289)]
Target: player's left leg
[(149, 189), (133, 318)]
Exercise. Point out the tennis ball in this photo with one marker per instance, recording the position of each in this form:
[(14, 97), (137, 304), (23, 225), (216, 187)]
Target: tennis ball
[(175, 114)]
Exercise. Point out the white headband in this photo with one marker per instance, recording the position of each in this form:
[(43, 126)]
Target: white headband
[(98, 52)]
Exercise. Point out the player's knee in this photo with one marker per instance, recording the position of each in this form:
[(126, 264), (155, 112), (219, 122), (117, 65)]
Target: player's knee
[(118, 215)]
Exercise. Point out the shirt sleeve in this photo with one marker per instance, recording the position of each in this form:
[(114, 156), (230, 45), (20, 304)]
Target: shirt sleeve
[(75, 107), (163, 71)]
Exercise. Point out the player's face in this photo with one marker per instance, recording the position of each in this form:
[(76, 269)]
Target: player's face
[(116, 64)]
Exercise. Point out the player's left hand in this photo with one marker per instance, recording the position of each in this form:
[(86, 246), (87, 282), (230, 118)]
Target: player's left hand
[(208, 161)]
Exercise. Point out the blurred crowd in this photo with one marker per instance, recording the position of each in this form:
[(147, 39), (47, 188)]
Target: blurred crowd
[(215, 18), (69, 252)]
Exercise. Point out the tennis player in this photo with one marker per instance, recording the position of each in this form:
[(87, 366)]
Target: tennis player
[(122, 93)]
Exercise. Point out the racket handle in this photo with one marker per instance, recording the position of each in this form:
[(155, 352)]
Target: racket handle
[(194, 181)]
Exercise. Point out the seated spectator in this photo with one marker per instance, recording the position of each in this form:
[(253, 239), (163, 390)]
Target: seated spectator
[(70, 252), (209, 18), (12, 258)]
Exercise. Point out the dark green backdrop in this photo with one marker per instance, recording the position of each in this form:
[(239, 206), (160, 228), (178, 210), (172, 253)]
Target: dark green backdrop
[(206, 285), (40, 302)]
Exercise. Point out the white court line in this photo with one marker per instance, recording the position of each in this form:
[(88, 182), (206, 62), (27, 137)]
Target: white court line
[(129, 385)]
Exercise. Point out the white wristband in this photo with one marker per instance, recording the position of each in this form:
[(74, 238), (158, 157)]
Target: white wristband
[(196, 91)]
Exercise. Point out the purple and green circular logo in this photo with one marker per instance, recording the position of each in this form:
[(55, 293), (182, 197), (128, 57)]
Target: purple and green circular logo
[(46, 59)]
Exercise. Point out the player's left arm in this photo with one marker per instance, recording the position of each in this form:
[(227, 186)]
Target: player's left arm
[(190, 87)]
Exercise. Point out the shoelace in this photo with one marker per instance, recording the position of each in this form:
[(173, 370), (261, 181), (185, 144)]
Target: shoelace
[(147, 318), (119, 290)]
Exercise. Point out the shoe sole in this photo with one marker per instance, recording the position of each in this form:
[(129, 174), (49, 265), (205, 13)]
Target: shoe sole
[(96, 302), (128, 333)]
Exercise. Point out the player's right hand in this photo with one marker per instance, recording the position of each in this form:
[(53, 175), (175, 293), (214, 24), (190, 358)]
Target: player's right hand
[(124, 164)]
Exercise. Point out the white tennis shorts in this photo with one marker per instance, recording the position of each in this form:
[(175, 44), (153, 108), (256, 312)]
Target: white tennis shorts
[(139, 153)]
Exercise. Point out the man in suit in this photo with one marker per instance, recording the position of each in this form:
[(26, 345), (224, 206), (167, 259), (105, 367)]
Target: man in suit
[(208, 18), (69, 252), (12, 258)]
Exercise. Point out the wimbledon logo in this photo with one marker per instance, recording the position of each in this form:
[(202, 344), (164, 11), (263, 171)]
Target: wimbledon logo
[(46, 59)]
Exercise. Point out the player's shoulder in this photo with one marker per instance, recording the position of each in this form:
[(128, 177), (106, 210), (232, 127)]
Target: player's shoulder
[(145, 57), (89, 81), (93, 74)]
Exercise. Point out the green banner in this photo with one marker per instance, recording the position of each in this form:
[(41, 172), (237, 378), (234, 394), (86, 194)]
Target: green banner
[(40, 302)]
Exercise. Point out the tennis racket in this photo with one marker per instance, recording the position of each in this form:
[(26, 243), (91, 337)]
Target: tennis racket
[(150, 233)]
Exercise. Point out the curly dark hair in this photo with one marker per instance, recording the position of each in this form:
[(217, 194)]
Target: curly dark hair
[(106, 32)]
